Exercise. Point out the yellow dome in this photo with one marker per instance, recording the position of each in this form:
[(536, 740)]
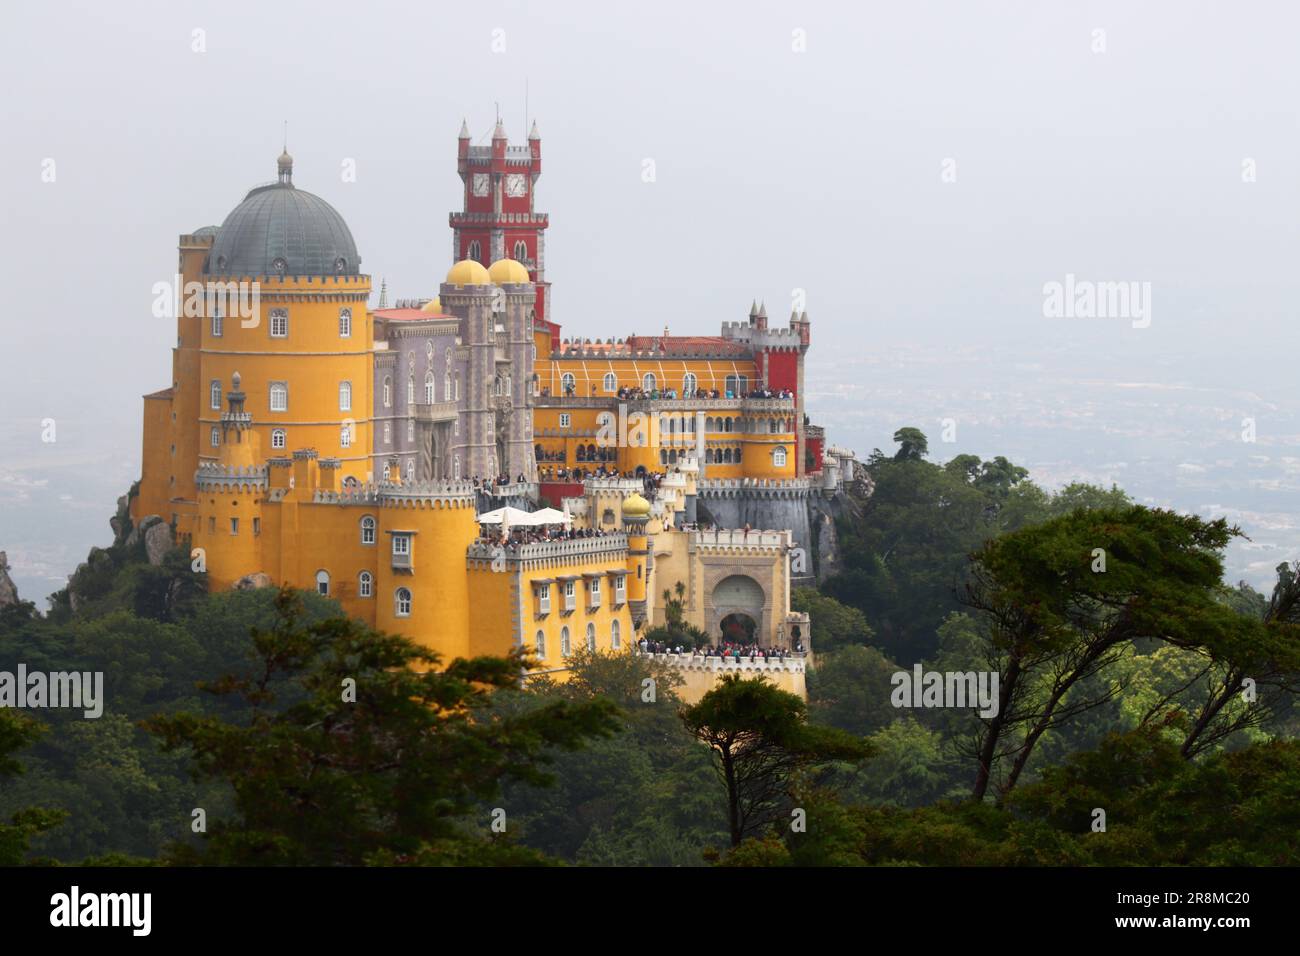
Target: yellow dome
[(468, 272), (434, 305), (634, 506), (508, 270)]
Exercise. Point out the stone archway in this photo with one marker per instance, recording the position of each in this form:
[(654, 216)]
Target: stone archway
[(740, 601)]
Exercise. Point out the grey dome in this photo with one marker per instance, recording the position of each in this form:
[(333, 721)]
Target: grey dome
[(280, 230)]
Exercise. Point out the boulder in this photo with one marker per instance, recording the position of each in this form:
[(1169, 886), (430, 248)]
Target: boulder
[(158, 541)]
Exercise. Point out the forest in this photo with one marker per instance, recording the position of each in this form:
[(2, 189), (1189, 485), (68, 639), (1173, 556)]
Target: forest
[(1146, 712)]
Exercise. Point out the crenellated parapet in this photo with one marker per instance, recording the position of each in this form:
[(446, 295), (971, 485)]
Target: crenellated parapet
[(792, 488), (550, 554), (211, 476), (717, 665)]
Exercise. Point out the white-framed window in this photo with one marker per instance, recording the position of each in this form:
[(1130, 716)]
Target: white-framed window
[(401, 545), (388, 433), (410, 429), (778, 457), (595, 592), (430, 391), (410, 390), (279, 323), (345, 436), (591, 637), (446, 388), (345, 396), (564, 420), (323, 583), (568, 383), (570, 596), (214, 436), (543, 599), (565, 648), (218, 325), (541, 644), (387, 472), (345, 323), (279, 438), (615, 635), (388, 392), (279, 397), (365, 584), (689, 383), (367, 530), (402, 602), (410, 469), (214, 394), (648, 383), (611, 382), (620, 588)]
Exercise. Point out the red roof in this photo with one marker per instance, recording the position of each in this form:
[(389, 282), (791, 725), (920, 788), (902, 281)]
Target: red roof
[(164, 393)]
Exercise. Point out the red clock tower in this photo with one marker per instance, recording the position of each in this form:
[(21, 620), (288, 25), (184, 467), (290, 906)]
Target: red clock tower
[(497, 220)]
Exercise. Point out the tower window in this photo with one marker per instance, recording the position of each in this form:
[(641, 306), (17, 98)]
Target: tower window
[(778, 457), (565, 648), (410, 390), (475, 251), (278, 438), (279, 323), (217, 325), (345, 436), (591, 637), (345, 323), (214, 394), (365, 584), (615, 637), (367, 530), (323, 583), (430, 392), (234, 526), (388, 392), (215, 436), (410, 429), (345, 396), (564, 420), (521, 250), (402, 603), (279, 397), (388, 433)]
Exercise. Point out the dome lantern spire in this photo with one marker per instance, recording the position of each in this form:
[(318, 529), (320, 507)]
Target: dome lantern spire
[(284, 168)]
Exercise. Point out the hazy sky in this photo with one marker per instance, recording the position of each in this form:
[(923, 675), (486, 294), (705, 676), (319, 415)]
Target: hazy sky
[(775, 169)]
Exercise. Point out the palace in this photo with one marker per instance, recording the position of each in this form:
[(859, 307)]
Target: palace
[(323, 444)]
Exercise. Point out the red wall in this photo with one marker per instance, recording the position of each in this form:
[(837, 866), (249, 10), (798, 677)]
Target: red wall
[(783, 370)]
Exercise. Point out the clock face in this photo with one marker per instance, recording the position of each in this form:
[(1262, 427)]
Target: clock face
[(481, 181), (516, 185)]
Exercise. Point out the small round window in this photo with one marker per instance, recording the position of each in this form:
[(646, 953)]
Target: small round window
[(279, 265)]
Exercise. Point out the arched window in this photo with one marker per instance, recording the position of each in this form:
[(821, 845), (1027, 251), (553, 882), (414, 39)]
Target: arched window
[(388, 433), (279, 438), (323, 583), (688, 384), (410, 469), (648, 383), (429, 392), (591, 637), (565, 649), (568, 383), (367, 530), (778, 457), (279, 397), (402, 602), (365, 584), (387, 472), (345, 323), (214, 437), (475, 251), (615, 635), (611, 383), (345, 435), (214, 394), (446, 388), (388, 391), (410, 429), (410, 390), (521, 250), (345, 396), (541, 644), (455, 467), (217, 324)]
